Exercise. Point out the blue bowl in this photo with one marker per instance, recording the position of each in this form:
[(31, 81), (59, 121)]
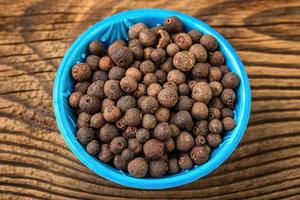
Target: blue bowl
[(115, 27)]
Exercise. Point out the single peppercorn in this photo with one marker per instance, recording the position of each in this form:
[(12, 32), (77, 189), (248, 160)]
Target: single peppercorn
[(199, 111), (175, 130), (149, 78), (167, 65), (138, 167), (195, 35), (199, 52), (170, 85), (201, 70), (81, 72), (164, 39), (149, 121), (224, 69), (134, 73), (215, 126), (213, 140), (133, 117), (96, 47), (113, 90), (128, 84), (93, 147), (122, 56), (108, 132), (127, 155), (154, 89), (201, 128), (115, 45), (185, 162), (158, 55), (199, 154), (176, 76), (214, 113), (147, 53), (116, 73), (162, 114), (139, 101), (202, 92), (216, 88), (172, 49), (126, 102), (158, 168), (93, 61), (135, 146), (119, 162), (85, 135), (89, 103), (228, 123), (183, 40), (215, 74), (161, 76), (153, 149), (134, 30), (111, 113), (140, 90), (183, 89), (226, 112), (230, 80), (97, 121), (97, 89), (184, 103), (167, 97), (118, 144), (209, 42), (216, 58), (147, 66), (173, 166), (81, 87), (184, 61), (184, 141), (183, 120), (228, 97), (216, 103), (83, 120), (105, 63), (136, 48), (99, 75), (148, 38), (200, 140), (74, 99), (107, 102), (169, 145), (105, 155), (142, 135), (130, 132), (149, 105), (162, 131), (172, 24)]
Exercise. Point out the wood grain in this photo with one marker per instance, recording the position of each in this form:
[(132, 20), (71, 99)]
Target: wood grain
[(35, 163)]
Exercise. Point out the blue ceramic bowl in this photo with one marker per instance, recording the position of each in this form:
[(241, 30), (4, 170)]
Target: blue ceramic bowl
[(115, 27)]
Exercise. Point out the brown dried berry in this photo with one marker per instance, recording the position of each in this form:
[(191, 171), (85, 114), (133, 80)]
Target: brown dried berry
[(195, 35), (97, 121), (140, 100), (170, 85), (120, 124), (149, 78), (108, 132), (130, 132), (118, 144), (173, 166), (183, 40), (149, 105), (99, 75), (215, 74), (213, 113), (89, 103), (119, 162), (164, 39), (183, 89), (175, 130), (115, 45), (202, 92), (226, 112), (213, 140), (140, 90), (74, 99), (228, 123), (133, 117), (96, 47), (122, 56), (184, 141), (85, 135), (158, 55), (184, 61), (169, 145), (93, 147), (162, 131), (184, 103), (105, 154), (201, 70), (81, 72), (134, 73), (126, 102), (111, 113), (162, 114), (135, 146), (107, 102), (185, 161), (161, 76), (172, 49), (158, 168), (153, 149), (113, 90), (81, 87), (149, 121), (216, 88), (148, 38), (183, 120), (154, 89), (216, 103), (173, 24), (147, 66), (167, 65), (199, 52), (128, 84), (215, 126), (167, 97), (224, 69), (138, 167), (199, 155), (127, 155), (228, 97), (230, 80), (136, 48), (116, 73), (200, 140), (216, 58), (134, 30), (93, 61), (97, 89), (105, 63), (199, 111), (201, 128), (83, 120), (176, 76), (142, 135), (147, 53), (209, 42)]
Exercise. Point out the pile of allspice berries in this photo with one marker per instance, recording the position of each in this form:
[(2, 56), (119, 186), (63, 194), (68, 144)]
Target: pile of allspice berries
[(156, 104)]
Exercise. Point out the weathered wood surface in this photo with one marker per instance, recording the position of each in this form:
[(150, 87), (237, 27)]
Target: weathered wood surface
[(35, 163)]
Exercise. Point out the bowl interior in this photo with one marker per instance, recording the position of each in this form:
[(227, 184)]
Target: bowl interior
[(115, 27)]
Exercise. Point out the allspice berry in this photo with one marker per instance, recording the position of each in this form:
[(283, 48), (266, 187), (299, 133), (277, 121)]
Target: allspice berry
[(108, 132), (135, 146), (97, 121), (116, 73), (122, 56), (147, 66), (175, 130), (199, 52), (81, 72), (167, 65), (183, 120), (141, 90), (154, 89), (216, 103), (142, 135), (119, 162), (183, 40), (83, 120), (96, 47), (130, 132), (128, 84), (149, 121), (138, 167), (126, 102), (228, 97), (164, 39), (153, 149), (228, 123), (215, 126), (209, 42), (134, 30), (176, 76), (170, 85), (162, 131), (200, 140), (195, 35), (183, 89), (158, 168), (149, 78), (99, 75), (161, 76), (172, 49), (216, 88), (184, 141), (213, 140), (97, 89), (89, 104), (201, 128), (113, 90), (184, 103), (214, 113), (226, 112), (133, 117), (107, 102), (199, 154), (167, 97), (173, 166), (216, 58), (74, 99), (173, 24), (81, 86), (201, 70), (147, 53), (93, 61), (230, 80), (148, 38), (185, 162), (105, 154), (202, 92), (149, 105), (215, 74), (169, 145), (199, 111), (134, 73), (127, 155), (136, 48), (224, 69), (111, 113), (158, 55), (118, 144), (162, 114), (184, 61), (105, 63), (93, 147), (85, 135), (116, 44)]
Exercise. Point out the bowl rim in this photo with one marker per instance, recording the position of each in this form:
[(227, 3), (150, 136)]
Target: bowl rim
[(169, 181)]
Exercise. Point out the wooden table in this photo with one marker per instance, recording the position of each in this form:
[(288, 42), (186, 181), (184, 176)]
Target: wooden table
[(37, 164)]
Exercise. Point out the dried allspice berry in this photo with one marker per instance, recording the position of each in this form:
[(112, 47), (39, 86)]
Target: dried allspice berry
[(175, 130), (173, 24), (134, 73), (216, 103), (199, 154), (199, 52), (107, 102), (81, 72), (141, 90), (162, 131), (195, 35), (111, 113), (113, 90), (74, 99), (96, 47), (164, 39), (142, 135), (97, 121), (149, 105), (201, 70), (173, 166), (135, 146), (158, 168), (153, 89), (135, 47), (158, 55), (167, 65), (147, 66), (201, 128), (183, 120), (215, 126), (172, 49), (108, 132), (170, 85), (183, 40), (169, 145), (224, 69), (202, 92), (105, 155), (184, 60), (226, 112), (89, 103), (134, 30), (216, 88), (116, 44), (200, 140), (83, 120), (213, 140), (105, 63), (161, 76), (162, 114), (209, 42), (118, 144), (228, 123), (149, 121), (215, 74), (122, 56), (176, 76), (199, 111), (148, 38), (184, 103), (138, 167), (130, 132), (119, 162), (183, 89), (228, 97), (126, 102), (184, 141), (128, 84), (116, 73), (85, 135), (133, 117), (81, 86), (153, 149), (93, 147), (185, 161), (216, 58), (99, 75), (149, 78), (127, 155), (147, 53), (230, 80), (93, 61), (97, 89), (214, 113), (167, 97)]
